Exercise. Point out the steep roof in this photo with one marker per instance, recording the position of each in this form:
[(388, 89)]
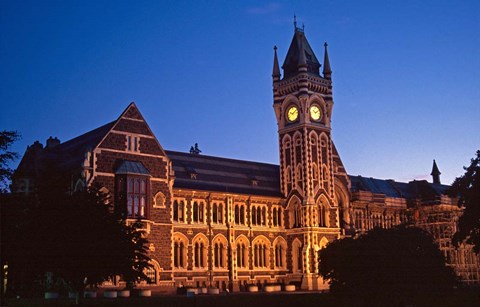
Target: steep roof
[(209, 173), (299, 54), (65, 156)]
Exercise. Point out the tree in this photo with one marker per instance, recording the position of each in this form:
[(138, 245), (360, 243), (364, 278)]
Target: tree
[(467, 188), (398, 265), (6, 140), (78, 237)]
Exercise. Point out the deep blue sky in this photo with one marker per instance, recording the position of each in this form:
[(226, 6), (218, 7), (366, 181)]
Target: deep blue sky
[(406, 75)]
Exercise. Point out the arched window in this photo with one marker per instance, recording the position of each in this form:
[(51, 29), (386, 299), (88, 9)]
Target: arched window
[(261, 253), (297, 256), (323, 216), (152, 272), (159, 200), (242, 260), (280, 256), (220, 252), (179, 252), (200, 253)]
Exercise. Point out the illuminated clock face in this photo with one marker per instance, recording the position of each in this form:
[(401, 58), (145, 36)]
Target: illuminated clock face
[(315, 112), (292, 114)]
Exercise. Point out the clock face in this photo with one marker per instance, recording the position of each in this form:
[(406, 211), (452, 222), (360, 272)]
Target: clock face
[(292, 114), (315, 112)]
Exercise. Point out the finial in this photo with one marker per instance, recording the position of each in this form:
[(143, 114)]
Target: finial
[(276, 67), (327, 70), (303, 27), (294, 22)]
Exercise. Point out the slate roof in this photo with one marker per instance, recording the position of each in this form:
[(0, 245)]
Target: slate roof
[(298, 53), (131, 167), (65, 156), (391, 188), (207, 173), (201, 172)]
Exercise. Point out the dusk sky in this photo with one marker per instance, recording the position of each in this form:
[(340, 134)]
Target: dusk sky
[(406, 75)]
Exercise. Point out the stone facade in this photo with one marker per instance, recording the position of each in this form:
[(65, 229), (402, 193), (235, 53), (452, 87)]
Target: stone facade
[(227, 223)]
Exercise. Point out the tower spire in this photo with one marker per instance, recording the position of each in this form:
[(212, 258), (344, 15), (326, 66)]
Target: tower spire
[(327, 71), (276, 67), (435, 173)]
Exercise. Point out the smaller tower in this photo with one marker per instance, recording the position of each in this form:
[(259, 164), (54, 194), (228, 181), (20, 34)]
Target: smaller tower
[(435, 173)]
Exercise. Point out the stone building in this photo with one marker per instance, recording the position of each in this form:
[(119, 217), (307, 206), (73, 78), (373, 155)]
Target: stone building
[(230, 223)]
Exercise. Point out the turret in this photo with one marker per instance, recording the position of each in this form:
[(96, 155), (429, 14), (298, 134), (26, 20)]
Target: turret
[(435, 173)]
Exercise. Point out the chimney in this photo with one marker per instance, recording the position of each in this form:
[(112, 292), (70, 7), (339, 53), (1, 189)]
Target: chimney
[(52, 142)]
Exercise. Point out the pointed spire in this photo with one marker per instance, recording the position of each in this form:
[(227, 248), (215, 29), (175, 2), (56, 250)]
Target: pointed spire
[(435, 173), (327, 71), (276, 67), (294, 23)]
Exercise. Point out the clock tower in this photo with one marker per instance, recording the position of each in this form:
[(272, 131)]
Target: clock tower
[(312, 177)]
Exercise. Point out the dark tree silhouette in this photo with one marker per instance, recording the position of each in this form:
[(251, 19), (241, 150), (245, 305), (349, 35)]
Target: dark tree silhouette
[(6, 140), (395, 265), (467, 188), (76, 236)]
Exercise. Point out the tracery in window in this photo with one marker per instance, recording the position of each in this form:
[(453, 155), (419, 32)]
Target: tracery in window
[(220, 252), (200, 248), (261, 251), (180, 251), (242, 253)]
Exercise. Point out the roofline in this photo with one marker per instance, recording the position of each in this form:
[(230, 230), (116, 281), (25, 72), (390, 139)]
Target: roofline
[(220, 158)]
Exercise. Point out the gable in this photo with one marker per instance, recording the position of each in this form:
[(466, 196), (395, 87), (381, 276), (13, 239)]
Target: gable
[(131, 133)]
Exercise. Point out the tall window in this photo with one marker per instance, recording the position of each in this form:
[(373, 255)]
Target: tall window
[(242, 214), (217, 213), (219, 255), (198, 212), (136, 197), (254, 215), (260, 252), (179, 211), (279, 255), (323, 216), (274, 217), (179, 254), (200, 253), (239, 214), (241, 255)]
